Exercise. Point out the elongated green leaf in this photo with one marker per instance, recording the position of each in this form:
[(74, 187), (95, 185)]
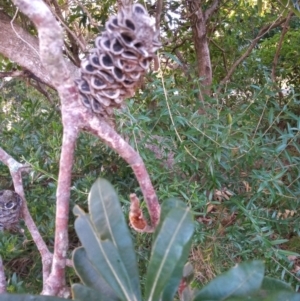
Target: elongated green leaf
[(108, 218), (81, 292), (174, 281), (169, 245), (280, 296), (172, 285), (242, 280), (274, 284), (166, 207), (104, 256), (90, 276), (265, 296)]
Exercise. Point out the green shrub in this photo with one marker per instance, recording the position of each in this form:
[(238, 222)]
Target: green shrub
[(107, 266)]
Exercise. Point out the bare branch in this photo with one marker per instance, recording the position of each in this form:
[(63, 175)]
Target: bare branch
[(16, 169), (75, 117), (261, 33), (209, 11), (107, 134), (19, 51), (91, 20), (223, 54), (2, 278), (51, 43), (75, 42), (276, 57), (200, 40)]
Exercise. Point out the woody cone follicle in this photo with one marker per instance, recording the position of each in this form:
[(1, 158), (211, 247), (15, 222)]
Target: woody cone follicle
[(122, 54)]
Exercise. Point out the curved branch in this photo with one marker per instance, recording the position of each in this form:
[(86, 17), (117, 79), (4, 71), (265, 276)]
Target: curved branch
[(107, 134)]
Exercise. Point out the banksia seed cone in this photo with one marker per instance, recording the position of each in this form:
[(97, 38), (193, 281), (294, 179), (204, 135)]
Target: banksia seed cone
[(113, 70)]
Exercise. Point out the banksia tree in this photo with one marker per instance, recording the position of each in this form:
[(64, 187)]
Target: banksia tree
[(111, 72), (114, 69)]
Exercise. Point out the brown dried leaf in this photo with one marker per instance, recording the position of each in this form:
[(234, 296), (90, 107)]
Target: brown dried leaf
[(136, 216)]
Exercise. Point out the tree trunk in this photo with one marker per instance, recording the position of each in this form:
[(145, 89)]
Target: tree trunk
[(198, 22)]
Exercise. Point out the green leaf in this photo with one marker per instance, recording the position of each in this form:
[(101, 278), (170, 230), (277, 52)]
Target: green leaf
[(166, 207), (172, 286), (266, 296), (90, 276), (174, 281), (108, 218), (271, 115), (280, 147), (271, 284), (82, 292), (168, 251), (104, 256), (173, 57), (242, 280), (278, 296), (278, 242)]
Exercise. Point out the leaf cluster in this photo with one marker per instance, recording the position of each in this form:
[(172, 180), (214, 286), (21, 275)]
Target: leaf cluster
[(107, 266)]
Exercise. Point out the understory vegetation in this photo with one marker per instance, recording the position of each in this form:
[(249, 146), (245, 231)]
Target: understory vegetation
[(236, 167), (231, 155)]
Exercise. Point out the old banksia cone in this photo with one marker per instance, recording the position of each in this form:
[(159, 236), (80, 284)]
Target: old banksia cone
[(113, 70)]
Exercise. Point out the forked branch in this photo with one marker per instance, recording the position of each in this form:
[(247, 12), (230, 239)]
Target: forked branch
[(75, 117)]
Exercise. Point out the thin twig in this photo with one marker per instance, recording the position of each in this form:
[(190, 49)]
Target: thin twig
[(71, 34), (223, 54), (211, 9), (91, 19), (16, 33), (263, 31)]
